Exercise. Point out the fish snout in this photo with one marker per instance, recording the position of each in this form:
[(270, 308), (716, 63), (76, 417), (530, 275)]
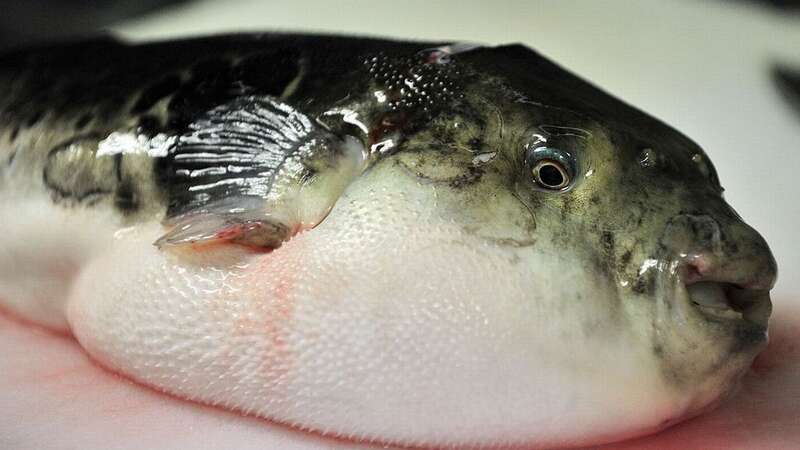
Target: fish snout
[(727, 270)]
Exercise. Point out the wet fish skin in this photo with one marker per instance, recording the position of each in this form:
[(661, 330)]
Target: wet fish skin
[(89, 90), (541, 297)]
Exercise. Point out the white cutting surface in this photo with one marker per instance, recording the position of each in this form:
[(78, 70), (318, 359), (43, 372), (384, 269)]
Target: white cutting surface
[(700, 65)]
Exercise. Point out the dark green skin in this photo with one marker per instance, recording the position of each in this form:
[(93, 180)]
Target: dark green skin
[(620, 212)]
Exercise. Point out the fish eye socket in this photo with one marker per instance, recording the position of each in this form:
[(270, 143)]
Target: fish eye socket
[(551, 175), (552, 169)]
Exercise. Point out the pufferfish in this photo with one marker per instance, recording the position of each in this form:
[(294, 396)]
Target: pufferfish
[(409, 243)]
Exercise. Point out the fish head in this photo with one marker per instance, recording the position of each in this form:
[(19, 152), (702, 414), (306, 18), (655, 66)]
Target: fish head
[(593, 239)]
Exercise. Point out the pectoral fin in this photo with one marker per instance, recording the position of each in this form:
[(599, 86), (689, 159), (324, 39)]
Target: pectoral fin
[(220, 223), (255, 172)]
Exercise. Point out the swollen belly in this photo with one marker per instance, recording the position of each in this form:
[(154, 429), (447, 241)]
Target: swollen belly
[(55, 397), (316, 334)]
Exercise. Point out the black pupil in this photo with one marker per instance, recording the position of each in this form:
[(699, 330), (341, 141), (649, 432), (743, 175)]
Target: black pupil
[(550, 175)]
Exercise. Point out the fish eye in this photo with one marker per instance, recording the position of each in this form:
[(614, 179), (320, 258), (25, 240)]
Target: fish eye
[(552, 168), (550, 175)]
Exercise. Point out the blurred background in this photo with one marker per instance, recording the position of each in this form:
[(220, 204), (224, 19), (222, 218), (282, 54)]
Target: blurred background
[(726, 73)]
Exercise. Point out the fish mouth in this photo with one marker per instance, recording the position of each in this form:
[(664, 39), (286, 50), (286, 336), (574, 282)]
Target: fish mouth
[(726, 302)]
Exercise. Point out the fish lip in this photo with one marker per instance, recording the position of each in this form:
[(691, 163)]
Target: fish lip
[(746, 307)]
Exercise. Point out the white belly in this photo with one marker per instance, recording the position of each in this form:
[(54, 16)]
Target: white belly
[(406, 330)]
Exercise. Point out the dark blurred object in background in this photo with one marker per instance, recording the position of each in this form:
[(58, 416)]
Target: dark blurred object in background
[(788, 83), (24, 22), (780, 4)]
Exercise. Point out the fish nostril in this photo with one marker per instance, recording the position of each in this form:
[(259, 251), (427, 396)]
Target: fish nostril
[(693, 274), (697, 267)]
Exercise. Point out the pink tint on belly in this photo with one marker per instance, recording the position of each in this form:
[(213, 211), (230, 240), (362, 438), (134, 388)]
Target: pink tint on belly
[(272, 280), (54, 396)]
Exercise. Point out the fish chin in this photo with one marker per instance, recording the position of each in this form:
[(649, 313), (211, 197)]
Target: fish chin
[(703, 347)]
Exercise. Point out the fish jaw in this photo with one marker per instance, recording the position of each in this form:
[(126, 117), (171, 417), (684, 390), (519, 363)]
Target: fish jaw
[(385, 324)]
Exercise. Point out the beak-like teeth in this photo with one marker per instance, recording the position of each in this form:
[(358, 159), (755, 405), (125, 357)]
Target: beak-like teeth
[(728, 301), (754, 304), (709, 294)]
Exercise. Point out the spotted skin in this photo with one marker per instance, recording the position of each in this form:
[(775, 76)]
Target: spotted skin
[(83, 92)]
